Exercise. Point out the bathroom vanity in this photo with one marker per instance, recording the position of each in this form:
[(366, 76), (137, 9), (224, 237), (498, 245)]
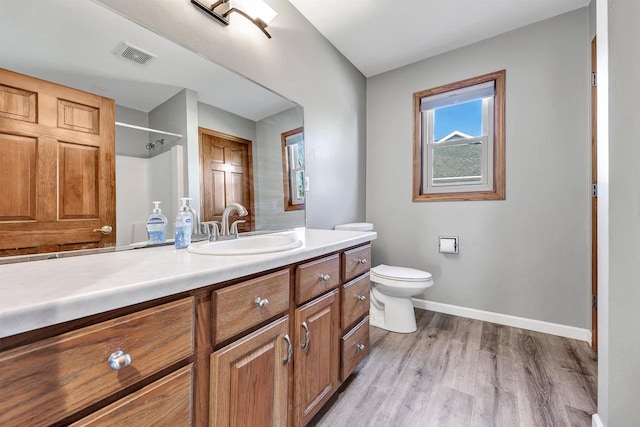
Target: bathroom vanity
[(166, 337)]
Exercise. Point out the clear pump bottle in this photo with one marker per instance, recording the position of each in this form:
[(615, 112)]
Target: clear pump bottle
[(184, 224), (157, 226)]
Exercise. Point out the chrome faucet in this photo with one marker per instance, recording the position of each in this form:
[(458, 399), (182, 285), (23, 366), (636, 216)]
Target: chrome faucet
[(195, 225), (242, 211)]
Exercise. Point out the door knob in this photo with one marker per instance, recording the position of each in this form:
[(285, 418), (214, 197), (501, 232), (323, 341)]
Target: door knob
[(105, 229)]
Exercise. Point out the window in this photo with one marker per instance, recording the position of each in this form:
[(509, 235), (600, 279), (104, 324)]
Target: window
[(459, 141), (293, 169)]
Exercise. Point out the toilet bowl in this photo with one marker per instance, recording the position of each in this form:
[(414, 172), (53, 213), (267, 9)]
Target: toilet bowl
[(391, 291)]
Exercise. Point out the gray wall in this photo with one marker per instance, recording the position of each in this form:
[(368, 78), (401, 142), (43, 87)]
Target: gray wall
[(528, 255), (174, 116), (268, 167), (624, 218), (299, 64)]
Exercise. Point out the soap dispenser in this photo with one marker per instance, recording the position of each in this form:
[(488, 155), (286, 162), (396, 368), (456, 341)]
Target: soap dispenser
[(184, 223), (157, 226)]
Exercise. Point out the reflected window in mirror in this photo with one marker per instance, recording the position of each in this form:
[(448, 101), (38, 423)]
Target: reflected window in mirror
[(293, 169)]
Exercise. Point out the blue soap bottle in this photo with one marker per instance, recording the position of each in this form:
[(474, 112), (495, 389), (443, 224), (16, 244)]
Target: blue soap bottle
[(157, 226)]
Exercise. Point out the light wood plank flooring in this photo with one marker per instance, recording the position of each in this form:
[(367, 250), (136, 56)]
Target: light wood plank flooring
[(460, 372)]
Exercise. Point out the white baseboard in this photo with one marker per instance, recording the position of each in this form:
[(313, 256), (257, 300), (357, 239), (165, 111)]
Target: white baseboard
[(596, 421), (507, 320)]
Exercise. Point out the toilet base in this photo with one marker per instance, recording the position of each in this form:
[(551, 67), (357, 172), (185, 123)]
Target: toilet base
[(396, 316)]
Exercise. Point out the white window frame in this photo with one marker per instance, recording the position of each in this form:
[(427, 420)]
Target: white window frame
[(436, 185)]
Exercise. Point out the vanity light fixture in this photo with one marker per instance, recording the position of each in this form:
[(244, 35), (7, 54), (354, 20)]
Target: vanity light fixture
[(256, 11)]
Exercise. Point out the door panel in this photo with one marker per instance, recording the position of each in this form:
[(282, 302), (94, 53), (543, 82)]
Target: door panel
[(17, 104), (79, 176), (18, 166), (57, 151), (78, 117)]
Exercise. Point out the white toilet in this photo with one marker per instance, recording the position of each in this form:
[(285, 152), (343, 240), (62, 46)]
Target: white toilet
[(391, 291)]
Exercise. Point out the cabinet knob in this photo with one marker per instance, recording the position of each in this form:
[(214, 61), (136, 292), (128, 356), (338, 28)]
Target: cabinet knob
[(325, 277), (360, 347), (119, 360), (307, 336), (361, 297), (289, 349), (261, 302), (361, 260)]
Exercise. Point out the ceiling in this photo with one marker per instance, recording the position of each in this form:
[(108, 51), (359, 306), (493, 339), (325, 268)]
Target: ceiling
[(73, 43), (380, 35)]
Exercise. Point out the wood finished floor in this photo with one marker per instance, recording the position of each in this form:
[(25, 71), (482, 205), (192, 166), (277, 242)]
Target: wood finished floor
[(461, 372)]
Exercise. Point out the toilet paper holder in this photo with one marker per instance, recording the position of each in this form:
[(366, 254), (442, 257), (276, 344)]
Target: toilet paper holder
[(448, 244)]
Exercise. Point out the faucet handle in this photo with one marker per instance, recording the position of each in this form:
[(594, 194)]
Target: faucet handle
[(213, 229), (234, 226)]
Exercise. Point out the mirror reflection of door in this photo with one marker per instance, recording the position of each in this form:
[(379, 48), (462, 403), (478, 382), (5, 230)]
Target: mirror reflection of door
[(226, 176), (57, 167), (293, 169)]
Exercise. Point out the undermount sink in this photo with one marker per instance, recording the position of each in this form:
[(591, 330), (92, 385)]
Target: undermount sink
[(250, 245)]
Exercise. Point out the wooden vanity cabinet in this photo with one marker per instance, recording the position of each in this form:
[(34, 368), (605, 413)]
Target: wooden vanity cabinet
[(269, 350)]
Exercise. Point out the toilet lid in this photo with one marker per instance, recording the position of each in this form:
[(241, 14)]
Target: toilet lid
[(400, 273)]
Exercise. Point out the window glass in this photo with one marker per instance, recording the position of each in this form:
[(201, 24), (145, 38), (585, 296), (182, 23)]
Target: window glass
[(465, 118)]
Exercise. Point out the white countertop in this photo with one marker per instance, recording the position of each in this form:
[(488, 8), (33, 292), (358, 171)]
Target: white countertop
[(36, 294)]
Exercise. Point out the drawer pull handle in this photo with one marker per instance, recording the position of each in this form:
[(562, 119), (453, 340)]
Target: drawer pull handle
[(261, 302), (289, 349), (360, 347), (361, 260), (361, 297), (325, 277), (119, 360), (307, 336)]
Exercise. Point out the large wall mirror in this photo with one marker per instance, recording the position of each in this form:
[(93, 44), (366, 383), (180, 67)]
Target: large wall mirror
[(164, 109)]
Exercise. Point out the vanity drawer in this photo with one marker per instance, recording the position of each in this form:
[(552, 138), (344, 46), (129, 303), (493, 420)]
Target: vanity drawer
[(355, 262), (355, 346), (43, 382), (355, 300), (166, 402), (238, 307), (317, 277)]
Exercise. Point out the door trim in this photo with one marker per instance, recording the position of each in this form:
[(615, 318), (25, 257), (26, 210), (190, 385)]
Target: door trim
[(594, 201)]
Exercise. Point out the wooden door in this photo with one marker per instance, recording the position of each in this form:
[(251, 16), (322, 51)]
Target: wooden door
[(317, 359), (226, 176), (57, 167), (594, 202), (250, 378)]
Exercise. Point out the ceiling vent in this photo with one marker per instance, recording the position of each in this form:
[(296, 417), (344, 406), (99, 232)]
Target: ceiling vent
[(134, 54)]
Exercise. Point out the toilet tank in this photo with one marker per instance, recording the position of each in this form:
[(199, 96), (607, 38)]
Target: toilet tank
[(355, 226)]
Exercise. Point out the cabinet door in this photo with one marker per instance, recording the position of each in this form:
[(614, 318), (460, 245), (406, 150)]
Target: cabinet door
[(249, 379), (317, 355), (57, 149)]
